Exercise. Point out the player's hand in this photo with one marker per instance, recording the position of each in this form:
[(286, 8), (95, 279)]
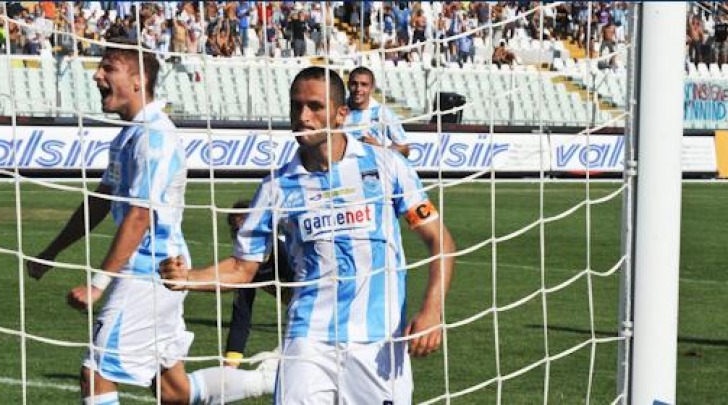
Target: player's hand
[(429, 342), (78, 297), (370, 140), (174, 269), (38, 270)]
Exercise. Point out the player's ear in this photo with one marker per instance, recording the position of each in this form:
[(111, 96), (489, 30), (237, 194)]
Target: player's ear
[(341, 112), (136, 82)]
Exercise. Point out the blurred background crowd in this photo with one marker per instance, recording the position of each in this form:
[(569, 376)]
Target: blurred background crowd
[(284, 28)]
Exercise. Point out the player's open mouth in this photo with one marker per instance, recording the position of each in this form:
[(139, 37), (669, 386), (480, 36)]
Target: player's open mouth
[(105, 92)]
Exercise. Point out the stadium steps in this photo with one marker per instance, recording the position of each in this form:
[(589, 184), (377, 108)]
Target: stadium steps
[(575, 51), (351, 33), (584, 94)]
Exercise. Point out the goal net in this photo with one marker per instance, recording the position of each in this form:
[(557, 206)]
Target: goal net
[(515, 119)]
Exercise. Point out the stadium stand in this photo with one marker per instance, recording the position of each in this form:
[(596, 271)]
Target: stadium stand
[(575, 88), (250, 89)]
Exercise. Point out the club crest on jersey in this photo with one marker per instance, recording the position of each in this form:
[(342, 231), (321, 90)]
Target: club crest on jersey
[(114, 172), (370, 180), (321, 223)]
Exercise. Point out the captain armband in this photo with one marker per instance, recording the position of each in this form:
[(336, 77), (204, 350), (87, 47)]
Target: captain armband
[(421, 214)]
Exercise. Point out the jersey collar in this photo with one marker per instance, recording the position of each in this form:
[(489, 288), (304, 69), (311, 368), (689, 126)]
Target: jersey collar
[(354, 148), (150, 110), (372, 103)]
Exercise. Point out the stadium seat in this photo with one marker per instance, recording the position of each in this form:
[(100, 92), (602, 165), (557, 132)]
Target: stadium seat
[(714, 71), (703, 71)]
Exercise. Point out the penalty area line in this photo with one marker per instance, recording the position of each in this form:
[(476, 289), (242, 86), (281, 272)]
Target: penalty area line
[(65, 387)]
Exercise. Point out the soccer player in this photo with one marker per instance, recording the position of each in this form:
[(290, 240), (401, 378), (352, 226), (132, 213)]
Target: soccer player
[(140, 329), (383, 126), (337, 203), (244, 298)]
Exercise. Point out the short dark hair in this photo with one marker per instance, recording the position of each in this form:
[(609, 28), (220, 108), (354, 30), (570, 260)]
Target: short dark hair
[(337, 90), (361, 70), (233, 216), (149, 60)]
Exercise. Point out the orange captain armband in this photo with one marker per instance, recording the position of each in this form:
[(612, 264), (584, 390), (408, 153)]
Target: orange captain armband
[(421, 214)]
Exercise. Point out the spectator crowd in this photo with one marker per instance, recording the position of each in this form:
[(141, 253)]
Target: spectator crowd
[(707, 33), (221, 28), (283, 28)]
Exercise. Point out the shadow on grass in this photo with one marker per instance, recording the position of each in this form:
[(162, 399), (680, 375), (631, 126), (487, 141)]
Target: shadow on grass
[(72, 378)]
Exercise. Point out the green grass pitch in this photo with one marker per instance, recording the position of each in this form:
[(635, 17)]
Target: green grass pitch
[(472, 358)]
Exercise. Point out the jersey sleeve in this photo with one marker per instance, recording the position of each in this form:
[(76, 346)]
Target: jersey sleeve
[(394, 129), (154, 164), (254, 238), (410, 199)]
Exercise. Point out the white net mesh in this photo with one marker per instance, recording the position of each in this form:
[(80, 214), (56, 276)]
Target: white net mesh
[(532, 313)]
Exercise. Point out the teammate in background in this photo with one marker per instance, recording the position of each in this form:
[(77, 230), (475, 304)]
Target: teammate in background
[(140, 331), (244, 297), (342, 239), (384, 126)]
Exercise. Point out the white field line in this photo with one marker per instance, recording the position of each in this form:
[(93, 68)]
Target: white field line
[(65, 387)]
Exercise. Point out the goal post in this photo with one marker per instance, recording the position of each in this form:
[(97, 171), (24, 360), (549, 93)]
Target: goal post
[(659, 119)]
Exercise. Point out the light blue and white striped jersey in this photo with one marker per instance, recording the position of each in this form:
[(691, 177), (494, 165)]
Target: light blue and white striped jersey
[(343, 239), (384, 125), (147, 165)]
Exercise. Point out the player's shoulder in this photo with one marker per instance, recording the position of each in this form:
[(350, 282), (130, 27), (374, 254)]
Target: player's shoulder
[(386, 157), (162, 123), (159, 130), (278, 175)]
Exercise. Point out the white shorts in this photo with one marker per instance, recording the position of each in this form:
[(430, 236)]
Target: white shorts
[(313, 372), (131, 342)]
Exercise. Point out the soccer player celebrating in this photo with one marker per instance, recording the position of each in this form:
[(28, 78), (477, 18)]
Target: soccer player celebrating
[(337, 202), (140, 329), (382, 125)]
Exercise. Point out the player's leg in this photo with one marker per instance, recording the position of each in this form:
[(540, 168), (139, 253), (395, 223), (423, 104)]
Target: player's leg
[(175, 387), (214, 385), (104, 391), (239, 326), (224, 384)]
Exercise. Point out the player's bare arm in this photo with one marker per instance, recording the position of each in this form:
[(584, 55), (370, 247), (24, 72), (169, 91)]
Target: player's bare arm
[(231, 270), (404, 149), (370, 140), (401, 148), (438, 241), (74, 230), (126, 241)]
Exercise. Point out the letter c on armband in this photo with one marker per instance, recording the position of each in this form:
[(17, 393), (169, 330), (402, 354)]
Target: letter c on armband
[(421, 214)]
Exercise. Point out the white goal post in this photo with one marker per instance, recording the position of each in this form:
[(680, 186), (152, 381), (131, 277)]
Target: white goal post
[(656, 259)]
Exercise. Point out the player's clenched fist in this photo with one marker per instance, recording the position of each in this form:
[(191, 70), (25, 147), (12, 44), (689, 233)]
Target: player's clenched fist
[(79, 297), (175, 270)]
